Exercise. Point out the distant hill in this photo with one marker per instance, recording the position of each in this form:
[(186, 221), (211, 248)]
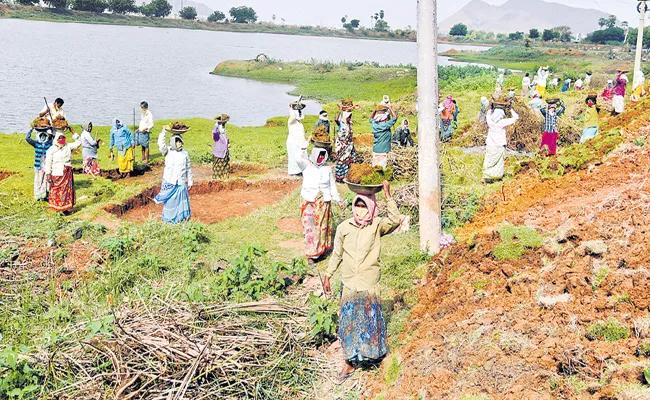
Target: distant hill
[(522, 15)]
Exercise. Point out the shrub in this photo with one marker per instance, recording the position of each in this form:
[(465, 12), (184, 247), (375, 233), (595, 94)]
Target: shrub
[(323, 317), (118, 247), (611, 331), (643, 350), (17, 378)]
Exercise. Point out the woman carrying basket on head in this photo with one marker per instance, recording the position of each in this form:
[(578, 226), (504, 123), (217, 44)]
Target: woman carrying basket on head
[(346, 154), (58, 168), (296, 142), (221, 148), (176, 181)]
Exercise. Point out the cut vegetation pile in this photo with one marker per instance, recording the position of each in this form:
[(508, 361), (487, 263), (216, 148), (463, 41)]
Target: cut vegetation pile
[(176, 351)]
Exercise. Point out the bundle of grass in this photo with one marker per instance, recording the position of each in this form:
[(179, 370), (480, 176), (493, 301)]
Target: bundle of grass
[(321, 135), (363, 174)]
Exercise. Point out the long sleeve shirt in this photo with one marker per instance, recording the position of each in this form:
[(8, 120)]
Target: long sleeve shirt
[(121, 138), (591, 117), (146, 122), (550, 121), (57, 158), (317, 180), (40, 149), (382, 133), (496, 136), (402, 137), (89, 146), (621, 82), (177, 164), (357, 250)]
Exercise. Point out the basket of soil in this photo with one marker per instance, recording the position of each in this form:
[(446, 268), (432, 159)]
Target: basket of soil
[(41, 124), (60, 123), (178, 127), (364, 179), (321, 137), (500, 104), (553, 100)]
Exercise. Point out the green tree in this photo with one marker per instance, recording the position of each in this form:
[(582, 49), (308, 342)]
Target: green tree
[(516, 36), (548, 35), (243, 15), (458, 30), (27, 2), (381, 26), (631, 37), (157, 8), (344, 19), (188, 13), (381, 14), (217, 16), (58, 4), (609, 35), (355, 23), (533, 34), (122, 6), (97, 6), (608, 22)]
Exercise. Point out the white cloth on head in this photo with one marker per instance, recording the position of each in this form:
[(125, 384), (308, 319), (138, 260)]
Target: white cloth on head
[(146, 122), (296, 142), (542, 75), (177, 163), (317, 179)]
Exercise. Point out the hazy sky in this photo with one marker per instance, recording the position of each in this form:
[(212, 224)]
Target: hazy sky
[(399, 13)]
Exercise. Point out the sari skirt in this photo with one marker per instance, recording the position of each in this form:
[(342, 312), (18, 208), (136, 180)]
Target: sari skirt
[(316, 220), (619, 103), (125, 160), (549, 143), (493, 164), (446, 130), (176, 202), (62, 194), (588, 133), (91, 166), (41, 185), (362, 328), (221, 166), (343, 163)]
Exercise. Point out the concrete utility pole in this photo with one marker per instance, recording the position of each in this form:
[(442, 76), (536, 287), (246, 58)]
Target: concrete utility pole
[(639, 38), (428, 141)]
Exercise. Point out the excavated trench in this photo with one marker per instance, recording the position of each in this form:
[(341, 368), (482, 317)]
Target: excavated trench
[(210, 201), (5, 174)]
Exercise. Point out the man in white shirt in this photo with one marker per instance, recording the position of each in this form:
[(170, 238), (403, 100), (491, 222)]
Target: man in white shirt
[(142, 135), (51, 111)]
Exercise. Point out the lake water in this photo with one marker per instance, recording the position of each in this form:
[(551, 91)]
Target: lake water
[(104, 71)]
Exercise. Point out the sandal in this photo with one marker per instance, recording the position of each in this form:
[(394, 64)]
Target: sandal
[(341, 379)]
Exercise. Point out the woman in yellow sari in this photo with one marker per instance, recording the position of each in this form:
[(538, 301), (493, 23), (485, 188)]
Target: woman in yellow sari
[(123, 140)]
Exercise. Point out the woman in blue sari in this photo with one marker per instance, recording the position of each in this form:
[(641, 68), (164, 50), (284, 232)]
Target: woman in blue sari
[(177, 179), (124, 141)]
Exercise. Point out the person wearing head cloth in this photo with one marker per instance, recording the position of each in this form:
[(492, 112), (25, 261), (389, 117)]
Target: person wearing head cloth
[(89, 147), (143, 133), (402, 135), (447, 110), (381, 123), (323, 120), (591, 118), (536, 102), (618, 101), (500, 81), (542, 76), (317, 193), (608, 91), (176, 181), (578, 85), (296, 142), (221, 148), (588, 79), (495, 143), (638, 86), (549, 137), (123, 141), (40, 145), (58, 169), (566, 85), (346, 154), (553, 84), (525, 86), (357, 246)]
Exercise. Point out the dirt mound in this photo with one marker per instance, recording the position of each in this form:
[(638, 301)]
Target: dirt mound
[(568, 320), (210, 201), (5, 174)]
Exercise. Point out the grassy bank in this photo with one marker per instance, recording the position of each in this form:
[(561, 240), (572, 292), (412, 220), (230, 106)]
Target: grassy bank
[(52, 15)]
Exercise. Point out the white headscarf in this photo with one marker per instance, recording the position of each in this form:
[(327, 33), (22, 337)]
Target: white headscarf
[(498, 115), (315, 152), (485, 102), (297, 114)]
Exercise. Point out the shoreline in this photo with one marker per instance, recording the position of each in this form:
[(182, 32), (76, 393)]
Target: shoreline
[(27, 13)]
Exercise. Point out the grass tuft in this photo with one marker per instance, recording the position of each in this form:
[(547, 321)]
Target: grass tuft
[(610, 330)]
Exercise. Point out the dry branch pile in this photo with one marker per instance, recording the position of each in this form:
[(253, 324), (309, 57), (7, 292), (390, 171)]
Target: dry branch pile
[(403, 161), (178, 352)]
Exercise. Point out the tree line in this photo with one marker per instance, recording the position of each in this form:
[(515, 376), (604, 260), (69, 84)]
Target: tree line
[(610, 32), (155, 8)]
